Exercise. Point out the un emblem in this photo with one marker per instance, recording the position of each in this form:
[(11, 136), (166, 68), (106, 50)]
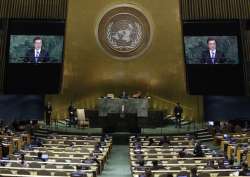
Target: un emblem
[(124, 32)]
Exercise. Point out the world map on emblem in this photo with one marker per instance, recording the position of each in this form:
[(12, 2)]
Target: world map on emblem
[(124, 32)]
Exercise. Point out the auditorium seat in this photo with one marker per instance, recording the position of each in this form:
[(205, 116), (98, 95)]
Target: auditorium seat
[(50, 166), (6, 171), (60, 160), (224, 173), (163, 175), (43, 173), (68, 167), (23, 172), (60, 173), (204, 174), (34, 165), (15, 164), (183, 173)]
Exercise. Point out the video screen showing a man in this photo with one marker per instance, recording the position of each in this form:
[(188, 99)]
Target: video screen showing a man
[(36, 49), (212, 55), (211, 50), (37, 54)]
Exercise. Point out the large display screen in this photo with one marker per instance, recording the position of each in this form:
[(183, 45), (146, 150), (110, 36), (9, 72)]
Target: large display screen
[(211, 49), (213, 57), (34, 56), (36, 49)]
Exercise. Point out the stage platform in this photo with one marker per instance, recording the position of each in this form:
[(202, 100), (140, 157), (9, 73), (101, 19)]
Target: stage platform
[(122, 137)]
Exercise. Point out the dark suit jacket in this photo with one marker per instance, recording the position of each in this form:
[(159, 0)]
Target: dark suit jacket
[(219, 57), (43, 57), (178, 111)]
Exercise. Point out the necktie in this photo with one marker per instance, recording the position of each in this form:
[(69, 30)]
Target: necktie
[(37, 56), (213, 57)]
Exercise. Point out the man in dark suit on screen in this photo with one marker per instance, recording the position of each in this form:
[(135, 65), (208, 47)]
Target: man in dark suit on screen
[(37, 54), (212, 55)]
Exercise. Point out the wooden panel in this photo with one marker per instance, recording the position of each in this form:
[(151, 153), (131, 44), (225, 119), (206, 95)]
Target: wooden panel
[(215, 9), (46, 9)]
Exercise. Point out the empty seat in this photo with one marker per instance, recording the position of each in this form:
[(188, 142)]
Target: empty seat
[(60, 173), (204, 175), (63, 155), (68, 167), (33, 154), (224, 173), (189, 161), (172, 161), (164, 175), (50, 166), (78, 155), (80, 143), (5, 171), (23, 172), (60, 160), (175, 168), (15, 164), (34, 165), (43, 173), (75, 161), (29, 158)]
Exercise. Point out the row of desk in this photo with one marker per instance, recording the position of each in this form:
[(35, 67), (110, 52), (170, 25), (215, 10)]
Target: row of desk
[(62, 157)]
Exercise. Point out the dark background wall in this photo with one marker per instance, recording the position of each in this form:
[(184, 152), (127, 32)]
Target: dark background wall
[(21, 107), (226, 108)]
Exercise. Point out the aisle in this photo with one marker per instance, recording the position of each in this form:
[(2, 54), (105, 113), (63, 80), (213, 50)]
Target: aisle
[(118, 164)]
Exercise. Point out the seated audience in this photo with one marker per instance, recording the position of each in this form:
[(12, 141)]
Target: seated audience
[(183, 153), (141, 166), (245, 171), (151, 142), (156, 165), (210, 165), (198, 152), (164, 141), (79, 172), (22, 161), (194, 172)]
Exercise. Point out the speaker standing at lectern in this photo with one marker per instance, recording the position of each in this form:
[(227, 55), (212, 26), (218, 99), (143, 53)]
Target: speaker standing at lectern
[(37, 54), (178, 114), (48, 110)]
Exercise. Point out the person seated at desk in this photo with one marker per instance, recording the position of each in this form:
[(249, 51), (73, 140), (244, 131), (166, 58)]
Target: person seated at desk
[(137, 94), (224, 163), (79, 172), (91, 159), (164, 141), (198, 152), (151, 142), (137, 143), (194, 172), (141, 166), (147, 173), (37, 142), (210, 165), (183, 153), (97, 148), (124, 95), (245, 171), (22, 161), (39, 155), (103, 139), (138, 151), (156, 165)]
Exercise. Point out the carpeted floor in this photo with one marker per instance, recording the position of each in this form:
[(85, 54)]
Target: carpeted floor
[(118, 164)]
